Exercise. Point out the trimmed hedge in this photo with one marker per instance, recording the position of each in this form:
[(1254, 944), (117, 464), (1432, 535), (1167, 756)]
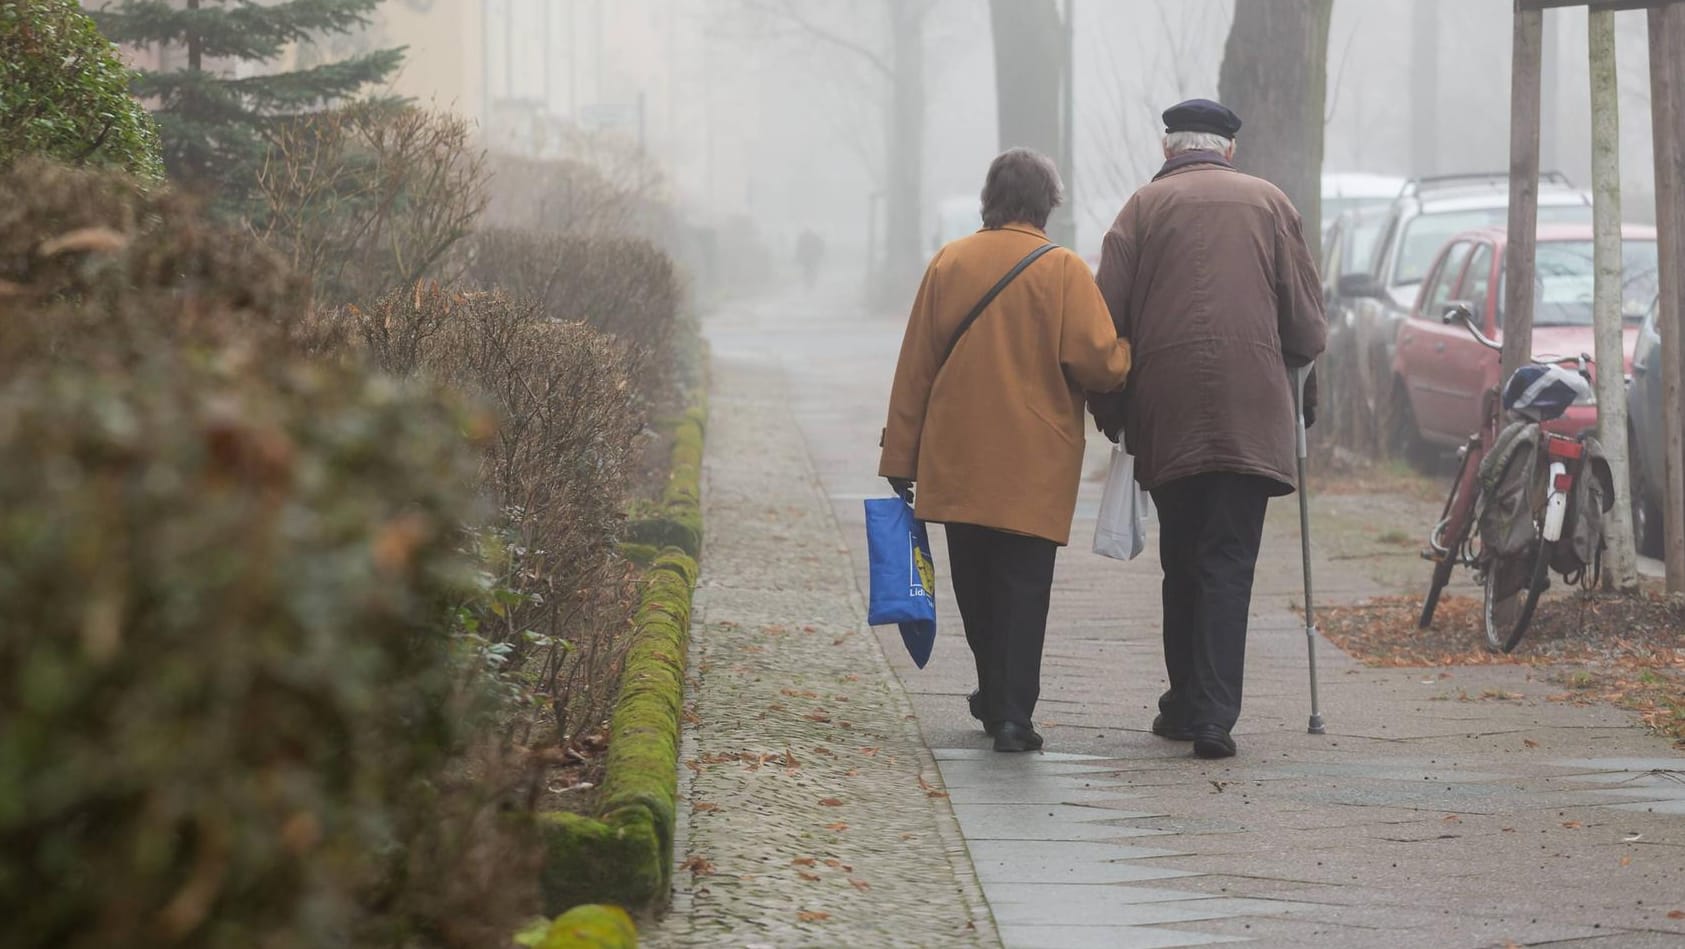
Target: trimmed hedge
[(624, 854)]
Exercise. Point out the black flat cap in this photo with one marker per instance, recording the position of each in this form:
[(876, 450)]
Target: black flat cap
[(1201, 115)]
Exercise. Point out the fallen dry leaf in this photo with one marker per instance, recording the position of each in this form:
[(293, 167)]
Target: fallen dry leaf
[(1676, 914), (1572, 824), (810, 916), (868, 752), (1452, 819), (703, 807), (859, 884), (839, 827), (830, 802), (809, 877), (1530, 743), (803, 861), (790, 760), (818, 715), (1626, 861), (698, 865)]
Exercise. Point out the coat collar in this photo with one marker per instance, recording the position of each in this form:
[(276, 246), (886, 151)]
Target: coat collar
[(1029, 229), (1190, 159)]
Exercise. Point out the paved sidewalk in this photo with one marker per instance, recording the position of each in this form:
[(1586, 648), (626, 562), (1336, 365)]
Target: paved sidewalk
[(809, 811), (1460, 810)]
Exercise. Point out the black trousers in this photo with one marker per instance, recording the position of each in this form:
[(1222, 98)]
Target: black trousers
[(1002, 582), (1210, 527)]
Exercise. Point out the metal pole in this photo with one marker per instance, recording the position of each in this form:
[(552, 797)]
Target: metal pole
[(1316, 726)]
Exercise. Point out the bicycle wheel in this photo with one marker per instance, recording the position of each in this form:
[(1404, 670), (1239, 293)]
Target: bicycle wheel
[(1513, 588), (1452, 532)]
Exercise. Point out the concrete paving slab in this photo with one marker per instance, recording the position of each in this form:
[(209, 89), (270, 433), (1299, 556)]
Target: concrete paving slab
[(1103, 937), (1350, 829)]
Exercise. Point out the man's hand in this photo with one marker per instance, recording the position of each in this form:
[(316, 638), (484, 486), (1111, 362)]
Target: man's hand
[(1108, 413), (903, 487)]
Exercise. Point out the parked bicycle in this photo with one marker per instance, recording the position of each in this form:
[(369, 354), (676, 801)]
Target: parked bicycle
[(1528, 492)]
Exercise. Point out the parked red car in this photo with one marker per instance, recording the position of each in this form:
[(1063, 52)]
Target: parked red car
[(1441, 372)]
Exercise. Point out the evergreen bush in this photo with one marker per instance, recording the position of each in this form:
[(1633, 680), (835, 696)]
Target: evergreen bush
[(64, 93)]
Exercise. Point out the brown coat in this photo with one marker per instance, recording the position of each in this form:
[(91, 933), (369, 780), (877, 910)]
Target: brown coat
[(994, 437), (1207, 274)]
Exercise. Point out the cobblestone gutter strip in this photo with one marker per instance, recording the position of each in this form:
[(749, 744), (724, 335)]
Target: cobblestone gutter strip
[(811, 815), (624, 854)]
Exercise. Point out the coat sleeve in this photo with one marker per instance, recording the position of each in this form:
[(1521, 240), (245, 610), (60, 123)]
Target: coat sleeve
[(1116, 278), (1089, 348), (1299, 305), (915, 373)]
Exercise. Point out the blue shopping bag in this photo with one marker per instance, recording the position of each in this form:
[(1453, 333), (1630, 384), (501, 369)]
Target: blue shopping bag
[(903, 578)]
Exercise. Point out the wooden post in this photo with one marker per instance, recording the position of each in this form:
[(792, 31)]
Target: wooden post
[(1523, 190), (1667, 86), (1622, 572)]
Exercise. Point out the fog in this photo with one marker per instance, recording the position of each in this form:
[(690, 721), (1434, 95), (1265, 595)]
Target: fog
[(776, 112)]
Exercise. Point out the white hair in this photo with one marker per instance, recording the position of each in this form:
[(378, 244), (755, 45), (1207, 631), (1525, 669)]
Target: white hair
[(1176, 143)]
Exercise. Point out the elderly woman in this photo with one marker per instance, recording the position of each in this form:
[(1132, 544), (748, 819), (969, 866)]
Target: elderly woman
[(986, 415)]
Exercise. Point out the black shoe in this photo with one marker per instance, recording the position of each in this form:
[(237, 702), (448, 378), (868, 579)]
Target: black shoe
[(975, 702), (1011, 736), (1164, 728), (1212, 741)]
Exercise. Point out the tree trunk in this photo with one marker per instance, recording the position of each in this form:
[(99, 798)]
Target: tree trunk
[(904, 251), (1667, 95), (1520, 253), (1606, 207), (1424, 87), (1032, 59), (1275, 77)]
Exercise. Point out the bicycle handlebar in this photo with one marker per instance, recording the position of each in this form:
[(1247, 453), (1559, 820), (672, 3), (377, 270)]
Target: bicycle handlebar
[(1458, 313)]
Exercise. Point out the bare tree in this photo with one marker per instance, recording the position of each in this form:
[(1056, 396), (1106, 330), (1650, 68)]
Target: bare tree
[(1169, 60), (889, 45), (1032, 69), (1275, 75)]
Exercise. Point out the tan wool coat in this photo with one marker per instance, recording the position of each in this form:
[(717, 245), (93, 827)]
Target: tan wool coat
[(994, 436), (1207, 273)]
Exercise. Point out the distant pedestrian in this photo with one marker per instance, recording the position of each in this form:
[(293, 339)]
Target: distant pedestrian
[(1207, 274), (987, 418), (810, 255)]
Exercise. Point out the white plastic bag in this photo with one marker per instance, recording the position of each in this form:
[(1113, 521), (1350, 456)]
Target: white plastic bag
[(1121, 532)]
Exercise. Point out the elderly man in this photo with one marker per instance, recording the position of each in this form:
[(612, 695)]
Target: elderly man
[(986, 415), (1206, 272)]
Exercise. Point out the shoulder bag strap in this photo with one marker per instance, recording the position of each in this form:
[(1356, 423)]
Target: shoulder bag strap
[(989, 297)]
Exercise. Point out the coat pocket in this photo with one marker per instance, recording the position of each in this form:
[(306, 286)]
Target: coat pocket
[(1061, 428)]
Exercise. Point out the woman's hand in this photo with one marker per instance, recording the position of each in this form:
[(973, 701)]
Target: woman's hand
[(902, 487)]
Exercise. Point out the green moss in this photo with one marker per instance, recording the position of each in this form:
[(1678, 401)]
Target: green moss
[(625, 854), (590, 860), (584, 927), (641, 554), (683, 531)]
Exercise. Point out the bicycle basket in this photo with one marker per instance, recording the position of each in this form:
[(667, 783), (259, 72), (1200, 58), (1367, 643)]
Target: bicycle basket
[(1542, 393)]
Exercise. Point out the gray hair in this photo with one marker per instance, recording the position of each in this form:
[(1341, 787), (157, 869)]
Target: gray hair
[(1022, 186), (1177, 143)]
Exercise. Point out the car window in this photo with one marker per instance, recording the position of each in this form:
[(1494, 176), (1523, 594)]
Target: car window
[(1364, 233), (1427, 233), (1477, 282), (1445, 280), (1332, 243), (1564, 280)]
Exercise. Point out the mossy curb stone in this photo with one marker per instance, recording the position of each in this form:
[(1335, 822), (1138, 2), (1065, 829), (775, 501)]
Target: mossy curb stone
[(679, 521), (584, 927), (624, 853)]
